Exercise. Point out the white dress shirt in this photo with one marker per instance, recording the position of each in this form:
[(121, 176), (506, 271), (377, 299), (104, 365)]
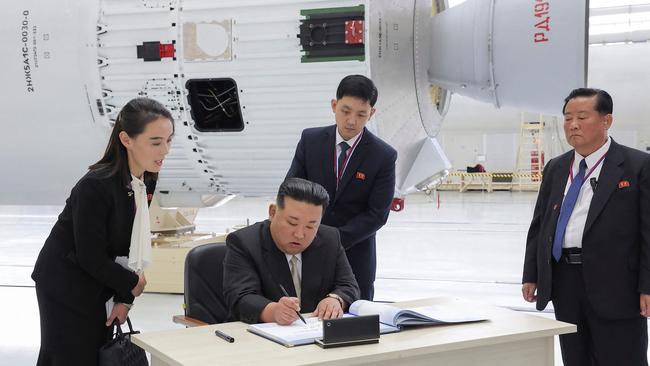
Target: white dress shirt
[(298, 263), (350, 143), (578, 219)]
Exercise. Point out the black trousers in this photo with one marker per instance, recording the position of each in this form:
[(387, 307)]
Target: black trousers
[(68, 337), (363, 261), (598, 342), (367, 291)]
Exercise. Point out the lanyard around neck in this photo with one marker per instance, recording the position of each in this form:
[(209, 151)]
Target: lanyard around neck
[(339, 173), (590, 170)]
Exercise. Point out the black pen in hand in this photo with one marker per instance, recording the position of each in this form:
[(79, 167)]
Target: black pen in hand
[(224, 336), (287, 295)]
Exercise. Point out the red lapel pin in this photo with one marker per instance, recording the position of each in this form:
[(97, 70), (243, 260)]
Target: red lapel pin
[(361, 176), (623, 184)]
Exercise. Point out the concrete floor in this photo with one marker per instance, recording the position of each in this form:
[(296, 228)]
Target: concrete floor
[(471, 247)]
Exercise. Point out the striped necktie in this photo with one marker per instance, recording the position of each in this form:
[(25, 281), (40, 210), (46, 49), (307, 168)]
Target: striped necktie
[(344, 148)]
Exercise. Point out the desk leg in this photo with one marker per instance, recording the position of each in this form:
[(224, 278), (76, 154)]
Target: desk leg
[(532, 352), (550, 351), (155, 361)]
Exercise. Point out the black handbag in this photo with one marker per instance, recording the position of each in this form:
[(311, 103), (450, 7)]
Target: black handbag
[(120, 351)]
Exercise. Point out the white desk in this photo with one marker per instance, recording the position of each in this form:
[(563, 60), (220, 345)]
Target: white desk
[(508, 338)]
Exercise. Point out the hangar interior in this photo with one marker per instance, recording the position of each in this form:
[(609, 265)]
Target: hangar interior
[(459, 241)]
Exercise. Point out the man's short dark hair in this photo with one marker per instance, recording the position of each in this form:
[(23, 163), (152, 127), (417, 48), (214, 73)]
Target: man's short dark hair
[(357, 86), (302, 190), (604, 104)]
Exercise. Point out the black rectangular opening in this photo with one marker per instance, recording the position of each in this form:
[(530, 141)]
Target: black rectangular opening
[(215, 105)]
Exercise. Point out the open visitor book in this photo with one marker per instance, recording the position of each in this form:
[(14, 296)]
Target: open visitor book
[(392, 319), (299, 333), (399, 317)]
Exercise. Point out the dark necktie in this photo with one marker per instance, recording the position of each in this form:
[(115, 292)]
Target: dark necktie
[(344, 148), (567, 208)]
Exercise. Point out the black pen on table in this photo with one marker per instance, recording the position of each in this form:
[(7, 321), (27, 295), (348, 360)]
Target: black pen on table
[(287, 295), (224, 336)]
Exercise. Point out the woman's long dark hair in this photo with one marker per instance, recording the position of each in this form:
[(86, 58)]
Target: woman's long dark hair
[(132, 119)]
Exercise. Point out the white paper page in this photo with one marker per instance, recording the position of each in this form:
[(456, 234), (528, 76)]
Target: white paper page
[(448, 313), (298, 332), (295, 331), (386, 313)]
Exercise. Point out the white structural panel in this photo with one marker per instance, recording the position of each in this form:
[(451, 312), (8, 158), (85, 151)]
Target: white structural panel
[(81, 61)]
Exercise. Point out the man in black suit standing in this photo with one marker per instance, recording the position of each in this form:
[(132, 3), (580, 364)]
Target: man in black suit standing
[(358, 170), (588, 246), (289, 252)]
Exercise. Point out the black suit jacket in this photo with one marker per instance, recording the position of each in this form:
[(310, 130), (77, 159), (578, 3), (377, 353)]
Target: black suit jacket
[(77, 262), (616, 238), (361, 204), (254, 268)]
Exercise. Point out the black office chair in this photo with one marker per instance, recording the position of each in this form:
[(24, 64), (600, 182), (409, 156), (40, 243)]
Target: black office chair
[(204, 301)]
